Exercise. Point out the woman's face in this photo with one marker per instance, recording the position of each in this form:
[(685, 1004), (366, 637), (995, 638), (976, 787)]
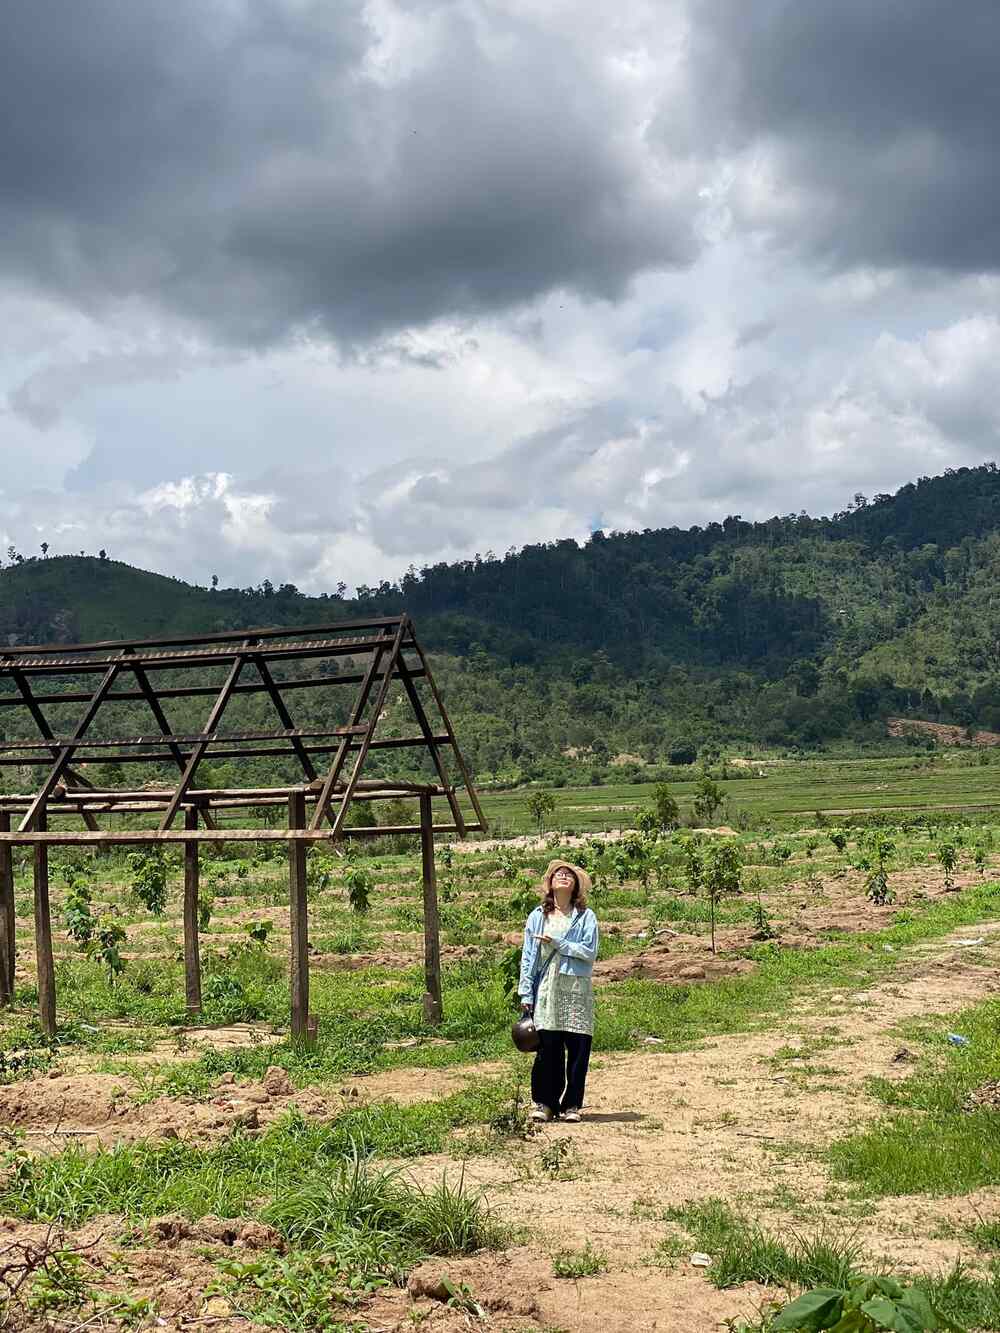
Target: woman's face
[(564, 880)]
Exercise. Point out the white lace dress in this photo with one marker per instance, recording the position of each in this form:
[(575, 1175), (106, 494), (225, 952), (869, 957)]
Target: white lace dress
[(564, 1004)]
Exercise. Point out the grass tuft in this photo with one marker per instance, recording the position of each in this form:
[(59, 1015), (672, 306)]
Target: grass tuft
[(743, 1252)]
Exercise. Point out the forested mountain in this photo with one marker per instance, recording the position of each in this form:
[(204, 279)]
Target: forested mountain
[(794, 631)]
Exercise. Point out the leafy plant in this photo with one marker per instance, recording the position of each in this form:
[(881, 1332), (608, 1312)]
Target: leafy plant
[(359, 882), (296, 1291), (879, 849), (259, 932), (319, 874), (557, 1158), (723, 870), (462, 1298), (60, 1285), (664, 813), (541, 807), (509, 969), (947, 854), (77, 916), (692, 851), (149, 878), (764, 929), (870, 1305), (839, 839), (206, 905), (507, 864), (708, 797), (104, 942), (513, 1119)]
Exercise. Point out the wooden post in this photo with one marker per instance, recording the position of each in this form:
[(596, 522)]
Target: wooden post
[(432, 940), (192, 955), (7, 945), (299, 911), (43, 932)]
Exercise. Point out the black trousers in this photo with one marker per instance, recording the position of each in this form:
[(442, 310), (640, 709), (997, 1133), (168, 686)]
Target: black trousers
[(559, 1074)]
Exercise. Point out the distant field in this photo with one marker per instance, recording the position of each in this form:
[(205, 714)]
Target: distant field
[(789, 792)]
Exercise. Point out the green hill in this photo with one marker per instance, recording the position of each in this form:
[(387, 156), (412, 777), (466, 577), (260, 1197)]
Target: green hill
[(796, 631)]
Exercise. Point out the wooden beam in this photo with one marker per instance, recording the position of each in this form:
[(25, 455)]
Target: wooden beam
[(459, 758), (44, 963), (284, 752), (172, 739), (433, 1011), (31, 703), (300, 651), (221, 636), (69, 746), (418, 708), (140, 837), (194, 691), (299, 920), (8, 945), (333, 773), (376, 713), (197, 753), (192, 950)]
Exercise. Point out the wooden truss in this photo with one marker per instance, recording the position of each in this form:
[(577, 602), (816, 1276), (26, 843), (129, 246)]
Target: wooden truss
[(382, 652)]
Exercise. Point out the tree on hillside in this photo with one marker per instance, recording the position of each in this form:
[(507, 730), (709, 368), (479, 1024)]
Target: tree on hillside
[(541, 807)]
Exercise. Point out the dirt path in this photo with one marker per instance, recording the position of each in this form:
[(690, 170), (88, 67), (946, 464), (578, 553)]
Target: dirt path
[(739, 1118)]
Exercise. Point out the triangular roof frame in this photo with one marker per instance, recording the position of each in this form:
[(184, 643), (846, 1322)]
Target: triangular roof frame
[(330, 784)]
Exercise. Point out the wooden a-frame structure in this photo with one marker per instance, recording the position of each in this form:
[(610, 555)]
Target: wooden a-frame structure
[(380, 652)]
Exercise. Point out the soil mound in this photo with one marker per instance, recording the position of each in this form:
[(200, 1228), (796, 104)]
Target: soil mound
[(671, 967)]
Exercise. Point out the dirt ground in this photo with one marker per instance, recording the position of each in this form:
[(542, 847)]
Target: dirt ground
[(738, 1117)]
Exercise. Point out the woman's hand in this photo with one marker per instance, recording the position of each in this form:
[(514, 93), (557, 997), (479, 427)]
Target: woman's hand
[(527, 1009), (545, 939)]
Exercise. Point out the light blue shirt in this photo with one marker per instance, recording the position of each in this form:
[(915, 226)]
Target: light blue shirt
[(576, 955)]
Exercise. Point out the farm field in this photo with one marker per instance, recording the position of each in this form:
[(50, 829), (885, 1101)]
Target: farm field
[(789, 794), (794, 1105)]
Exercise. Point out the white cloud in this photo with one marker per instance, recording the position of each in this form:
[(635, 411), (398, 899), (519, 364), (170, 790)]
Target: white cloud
[(426, 277)]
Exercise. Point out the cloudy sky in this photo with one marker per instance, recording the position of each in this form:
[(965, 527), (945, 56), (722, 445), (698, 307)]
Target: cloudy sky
[(314, 289)]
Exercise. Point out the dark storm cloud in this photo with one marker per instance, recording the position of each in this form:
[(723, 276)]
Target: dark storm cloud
[(877, 122), (251, 165)]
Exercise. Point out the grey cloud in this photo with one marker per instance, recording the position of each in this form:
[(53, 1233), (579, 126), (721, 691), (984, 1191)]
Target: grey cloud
[(879, 122), (239, 164), (755, 332)]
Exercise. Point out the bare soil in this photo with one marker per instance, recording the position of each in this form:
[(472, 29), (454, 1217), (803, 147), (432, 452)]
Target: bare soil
[(943, 734)]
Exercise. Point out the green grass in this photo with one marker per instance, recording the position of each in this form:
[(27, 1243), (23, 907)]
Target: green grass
[(930, 1144), (742, 1251), (579, 1263), (241, 1174)]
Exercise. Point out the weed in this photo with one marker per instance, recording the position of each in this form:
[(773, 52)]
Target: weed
[(295, 1291), (60, 1285), (579, 1263), (743, 1252), (513, 1119), (557, 1159)]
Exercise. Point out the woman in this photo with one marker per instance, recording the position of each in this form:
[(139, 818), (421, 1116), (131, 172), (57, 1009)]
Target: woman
[(560, 945)]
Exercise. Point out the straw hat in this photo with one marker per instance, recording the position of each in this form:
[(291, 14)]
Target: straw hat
[(582, 878)]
